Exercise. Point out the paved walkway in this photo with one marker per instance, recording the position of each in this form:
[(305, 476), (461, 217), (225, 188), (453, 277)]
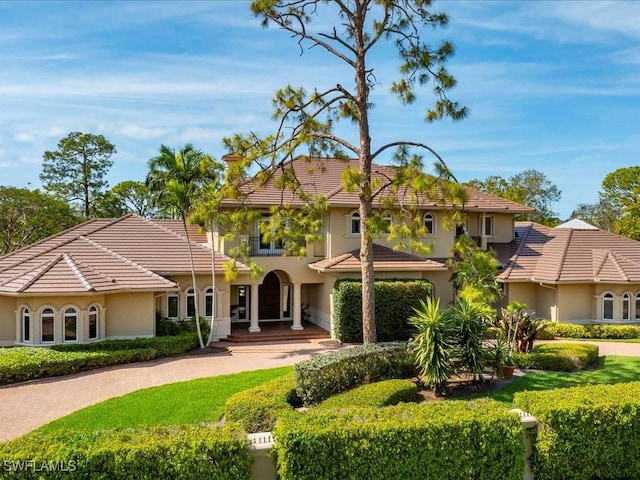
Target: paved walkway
[(27, 406), (606, 348)]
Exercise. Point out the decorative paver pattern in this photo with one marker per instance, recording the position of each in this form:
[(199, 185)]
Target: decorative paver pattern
[(27, 406)]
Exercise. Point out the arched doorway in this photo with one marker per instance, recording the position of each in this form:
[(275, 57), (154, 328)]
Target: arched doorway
[(269, 297)]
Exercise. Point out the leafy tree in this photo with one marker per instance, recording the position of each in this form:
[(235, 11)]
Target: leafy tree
[(306, 120), (601, 214), (621, 189), (474, 272), (27, 216), (76, 171), (126, 197), (177, 179), (530, 187)]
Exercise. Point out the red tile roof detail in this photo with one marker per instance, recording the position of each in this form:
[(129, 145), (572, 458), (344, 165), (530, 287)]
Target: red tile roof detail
[(324, 175), (572, 255), (106, 255), (384, 260)]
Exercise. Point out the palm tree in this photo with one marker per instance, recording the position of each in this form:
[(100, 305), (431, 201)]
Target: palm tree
[(177, 178)]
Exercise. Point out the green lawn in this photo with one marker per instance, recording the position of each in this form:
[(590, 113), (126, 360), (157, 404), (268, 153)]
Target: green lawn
[(610, 369), (195, 401)]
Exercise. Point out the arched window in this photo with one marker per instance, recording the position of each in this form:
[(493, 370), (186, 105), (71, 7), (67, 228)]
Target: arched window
[(430, 223), (208, 303), (47, 320), (607, 306), (637, 315), (93, 323), (70, 318), (355, 223), (191, 303), (26, 325), (626, 307)]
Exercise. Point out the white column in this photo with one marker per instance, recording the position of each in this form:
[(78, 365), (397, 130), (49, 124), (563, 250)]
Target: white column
[(254, 309), (297, 308)]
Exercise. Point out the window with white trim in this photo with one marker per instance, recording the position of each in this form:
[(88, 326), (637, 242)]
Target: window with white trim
[(607, 307), (70, 322), (208, 302), (47, 321), (487, 228), (626, 307), (430, 223), (172, 306), (93, 322), (26, 325), (191, 303), (637, 310), (355, 224)]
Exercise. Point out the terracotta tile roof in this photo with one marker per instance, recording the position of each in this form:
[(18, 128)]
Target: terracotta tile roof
[(125, 254), (324, 175), (571, 255), (384, 260)]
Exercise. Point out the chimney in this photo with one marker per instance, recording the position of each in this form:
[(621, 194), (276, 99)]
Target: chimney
[(230, 158)]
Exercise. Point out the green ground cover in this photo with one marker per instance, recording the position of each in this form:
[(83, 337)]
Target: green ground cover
[(191, 402), (608, 370)]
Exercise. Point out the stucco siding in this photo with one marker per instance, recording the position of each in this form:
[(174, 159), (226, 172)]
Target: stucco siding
[(523, 293), (130, 315), (7, 320), (576, 303)]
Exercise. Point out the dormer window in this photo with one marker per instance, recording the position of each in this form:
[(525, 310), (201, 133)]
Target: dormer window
[(430, 223), (355, 223)]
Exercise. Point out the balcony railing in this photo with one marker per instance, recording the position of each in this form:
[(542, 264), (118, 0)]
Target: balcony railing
[(259, 248)]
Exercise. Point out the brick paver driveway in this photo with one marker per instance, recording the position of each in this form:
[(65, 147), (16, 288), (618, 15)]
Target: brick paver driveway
[(27, 406)]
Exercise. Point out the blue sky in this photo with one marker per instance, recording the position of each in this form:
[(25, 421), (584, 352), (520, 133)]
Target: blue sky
[(551, 85)]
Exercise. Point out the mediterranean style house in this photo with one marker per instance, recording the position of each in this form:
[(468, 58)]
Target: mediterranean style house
[(573, 273), (110, 278)]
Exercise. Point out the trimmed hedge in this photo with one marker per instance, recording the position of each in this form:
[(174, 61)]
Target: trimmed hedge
[(570, 330), (586, 432), (163, 346), (177, 453), (19, 364), (257, 409), (326, 375), (477, 440), (559, 357), (379, 394), (395, 301)]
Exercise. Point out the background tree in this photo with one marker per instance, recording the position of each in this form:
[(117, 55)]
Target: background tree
[(530, 187), (601, 214), (361, 29), (27, 216), (126, 197), (177, 179), (621, 189), (76, 170)]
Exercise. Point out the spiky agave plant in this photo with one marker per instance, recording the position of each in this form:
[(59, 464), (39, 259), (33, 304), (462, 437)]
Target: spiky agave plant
[(433, 344)]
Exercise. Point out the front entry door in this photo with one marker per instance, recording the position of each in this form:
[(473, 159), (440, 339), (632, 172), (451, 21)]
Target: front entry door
[(269, 298)]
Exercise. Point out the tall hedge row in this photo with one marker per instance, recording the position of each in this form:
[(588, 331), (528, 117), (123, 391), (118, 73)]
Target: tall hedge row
[(586, 432), (395, 301), (322, 376), (477, 440), (174, 453)]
